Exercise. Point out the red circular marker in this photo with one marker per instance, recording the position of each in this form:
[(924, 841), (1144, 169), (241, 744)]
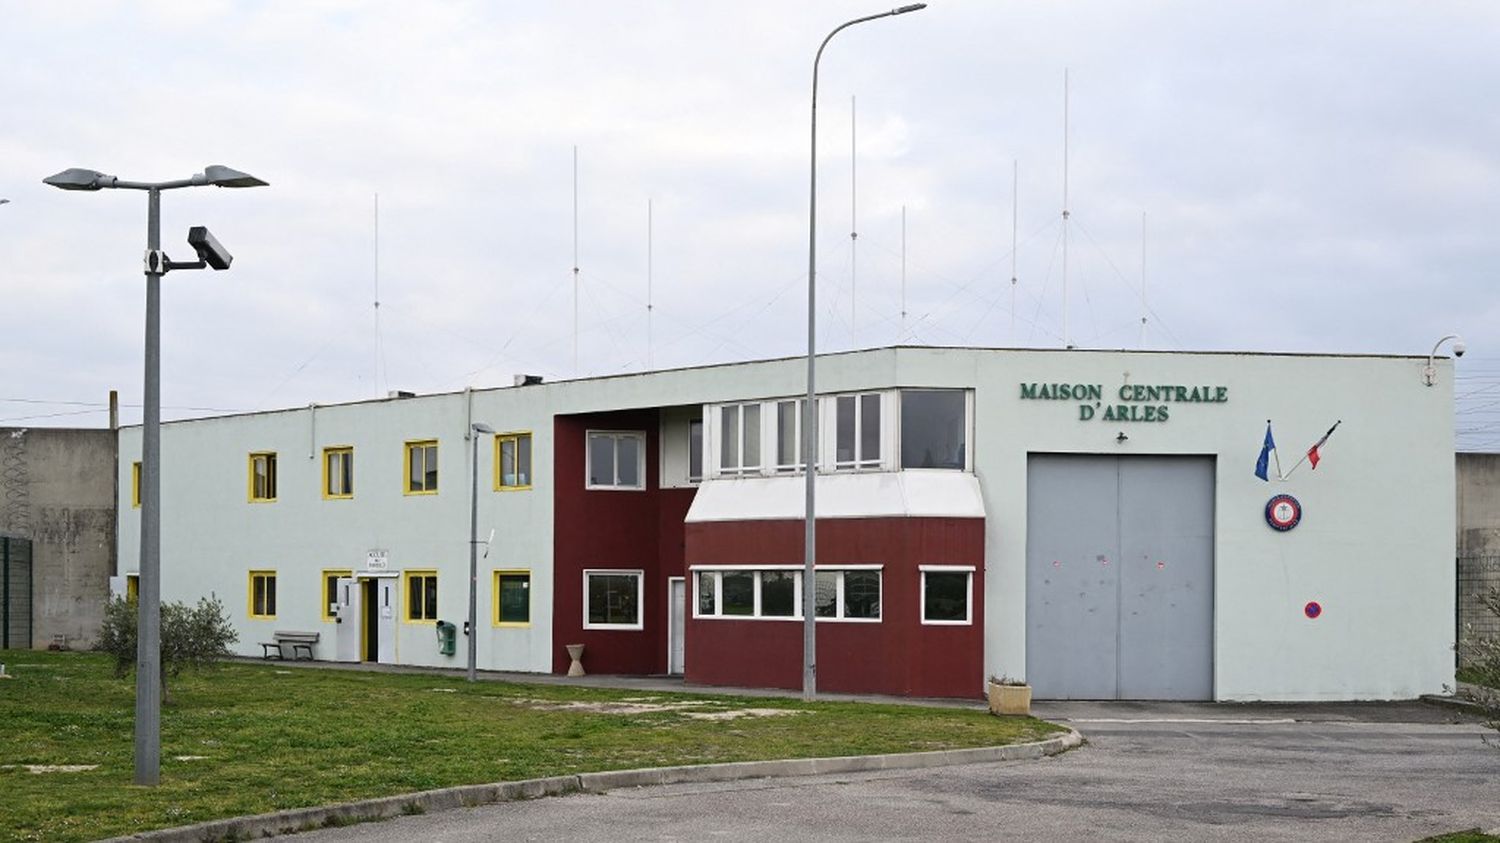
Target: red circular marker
[(1283, 512), (1312, 609)]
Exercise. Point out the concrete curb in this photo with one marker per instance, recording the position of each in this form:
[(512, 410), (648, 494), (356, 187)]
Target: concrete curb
[(469, 796), (1455, 703)]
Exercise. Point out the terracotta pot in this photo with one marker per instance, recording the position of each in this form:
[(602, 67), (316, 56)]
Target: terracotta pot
[(1009, 699)]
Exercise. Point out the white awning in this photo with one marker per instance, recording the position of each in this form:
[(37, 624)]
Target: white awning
[(883, 494)]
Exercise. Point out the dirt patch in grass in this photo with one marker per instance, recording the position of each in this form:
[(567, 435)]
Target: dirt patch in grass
[(648, 705)]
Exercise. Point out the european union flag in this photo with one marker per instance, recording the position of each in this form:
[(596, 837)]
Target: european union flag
[(1263, 465)]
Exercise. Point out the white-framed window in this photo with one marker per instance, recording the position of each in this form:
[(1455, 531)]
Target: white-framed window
[(856, 423), (947, 594), (848, 594), (934, 428), (612, 598), (855, 432), (695, 451), (616, 459), (739, 439), (789, 435), (774, 592)]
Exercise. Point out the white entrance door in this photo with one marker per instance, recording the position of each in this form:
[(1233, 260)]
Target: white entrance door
[(676, 624), (350, 623), (385, 618)]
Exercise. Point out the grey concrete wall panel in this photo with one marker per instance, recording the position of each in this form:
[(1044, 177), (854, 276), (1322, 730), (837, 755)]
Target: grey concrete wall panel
[(1072, 585), (58, 490), (1166, 570), (1478, 504)]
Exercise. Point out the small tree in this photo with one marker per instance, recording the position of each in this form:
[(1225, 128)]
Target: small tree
[(192, 637), (1481, 654)]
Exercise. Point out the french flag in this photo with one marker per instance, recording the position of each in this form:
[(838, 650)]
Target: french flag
[(1312, 453)]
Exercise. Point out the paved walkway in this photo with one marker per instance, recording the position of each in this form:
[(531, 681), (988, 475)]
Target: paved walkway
[(1169, 771)]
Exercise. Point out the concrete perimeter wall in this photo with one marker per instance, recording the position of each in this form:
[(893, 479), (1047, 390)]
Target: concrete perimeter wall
[(57, 488), (1478, 505)]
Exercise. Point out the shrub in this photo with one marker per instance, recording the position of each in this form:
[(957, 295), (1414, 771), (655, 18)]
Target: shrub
[(1482, 655), (192, 637)]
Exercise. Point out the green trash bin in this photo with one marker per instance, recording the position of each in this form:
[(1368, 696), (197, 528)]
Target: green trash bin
[(447, 635)]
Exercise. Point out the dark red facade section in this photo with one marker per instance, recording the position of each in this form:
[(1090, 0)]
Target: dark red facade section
[(900, 655), (629, 530)]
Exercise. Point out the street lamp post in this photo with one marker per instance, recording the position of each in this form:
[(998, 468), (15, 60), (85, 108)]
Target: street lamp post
[(157, 264), (475, 430), (809, 407)]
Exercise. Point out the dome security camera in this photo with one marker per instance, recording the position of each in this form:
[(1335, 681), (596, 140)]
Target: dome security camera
[(1458, 348)]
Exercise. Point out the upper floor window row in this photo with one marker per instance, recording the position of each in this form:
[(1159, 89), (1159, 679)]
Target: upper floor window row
[(512, 469), (861, 431)]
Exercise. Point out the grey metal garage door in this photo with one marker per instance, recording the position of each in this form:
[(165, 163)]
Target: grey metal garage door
[(1119, 577)]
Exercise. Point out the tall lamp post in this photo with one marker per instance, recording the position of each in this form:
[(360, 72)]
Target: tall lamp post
[(475, 430), (809, 407), (157, 264)]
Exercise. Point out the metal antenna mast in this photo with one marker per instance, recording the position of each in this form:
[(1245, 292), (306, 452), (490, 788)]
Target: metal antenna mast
[(649, 364), (1066, 344), (1144, 307), (377, 295), (903, 274), (853, 223), (1015, 207), (575, 261)]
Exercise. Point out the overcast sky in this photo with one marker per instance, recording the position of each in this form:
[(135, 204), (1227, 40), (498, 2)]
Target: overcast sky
[(1320, 177)]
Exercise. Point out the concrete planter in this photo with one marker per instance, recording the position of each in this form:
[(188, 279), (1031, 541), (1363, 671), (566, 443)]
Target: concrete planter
[(1009, 699), (575, 652)]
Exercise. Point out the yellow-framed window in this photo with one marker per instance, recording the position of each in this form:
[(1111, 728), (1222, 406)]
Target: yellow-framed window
[(512, 598), (331, 577), (262, 476), (421, 467), (262, 595), (133, 587), (338, 473), (421, 596), (135, 484), (512, 461)]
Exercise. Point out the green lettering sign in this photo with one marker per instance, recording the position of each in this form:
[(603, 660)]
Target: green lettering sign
[(1139, 402)]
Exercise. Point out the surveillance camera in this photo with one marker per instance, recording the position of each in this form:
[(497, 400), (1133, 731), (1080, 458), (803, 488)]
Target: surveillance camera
[(209, 249), (1458, 348)]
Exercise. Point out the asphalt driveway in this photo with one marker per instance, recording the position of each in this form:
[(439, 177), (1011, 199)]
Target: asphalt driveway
[(1150, 772)]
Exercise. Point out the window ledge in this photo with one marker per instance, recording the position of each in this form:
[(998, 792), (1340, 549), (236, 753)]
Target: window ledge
[(797, 618)]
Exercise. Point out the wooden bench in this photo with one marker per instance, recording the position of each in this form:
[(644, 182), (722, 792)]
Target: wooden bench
[(300, 642)]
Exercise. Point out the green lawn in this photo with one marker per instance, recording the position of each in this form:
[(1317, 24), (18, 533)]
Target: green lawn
[(252, 738)]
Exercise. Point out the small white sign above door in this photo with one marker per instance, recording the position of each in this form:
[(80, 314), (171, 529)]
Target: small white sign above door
[(377, 560)]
